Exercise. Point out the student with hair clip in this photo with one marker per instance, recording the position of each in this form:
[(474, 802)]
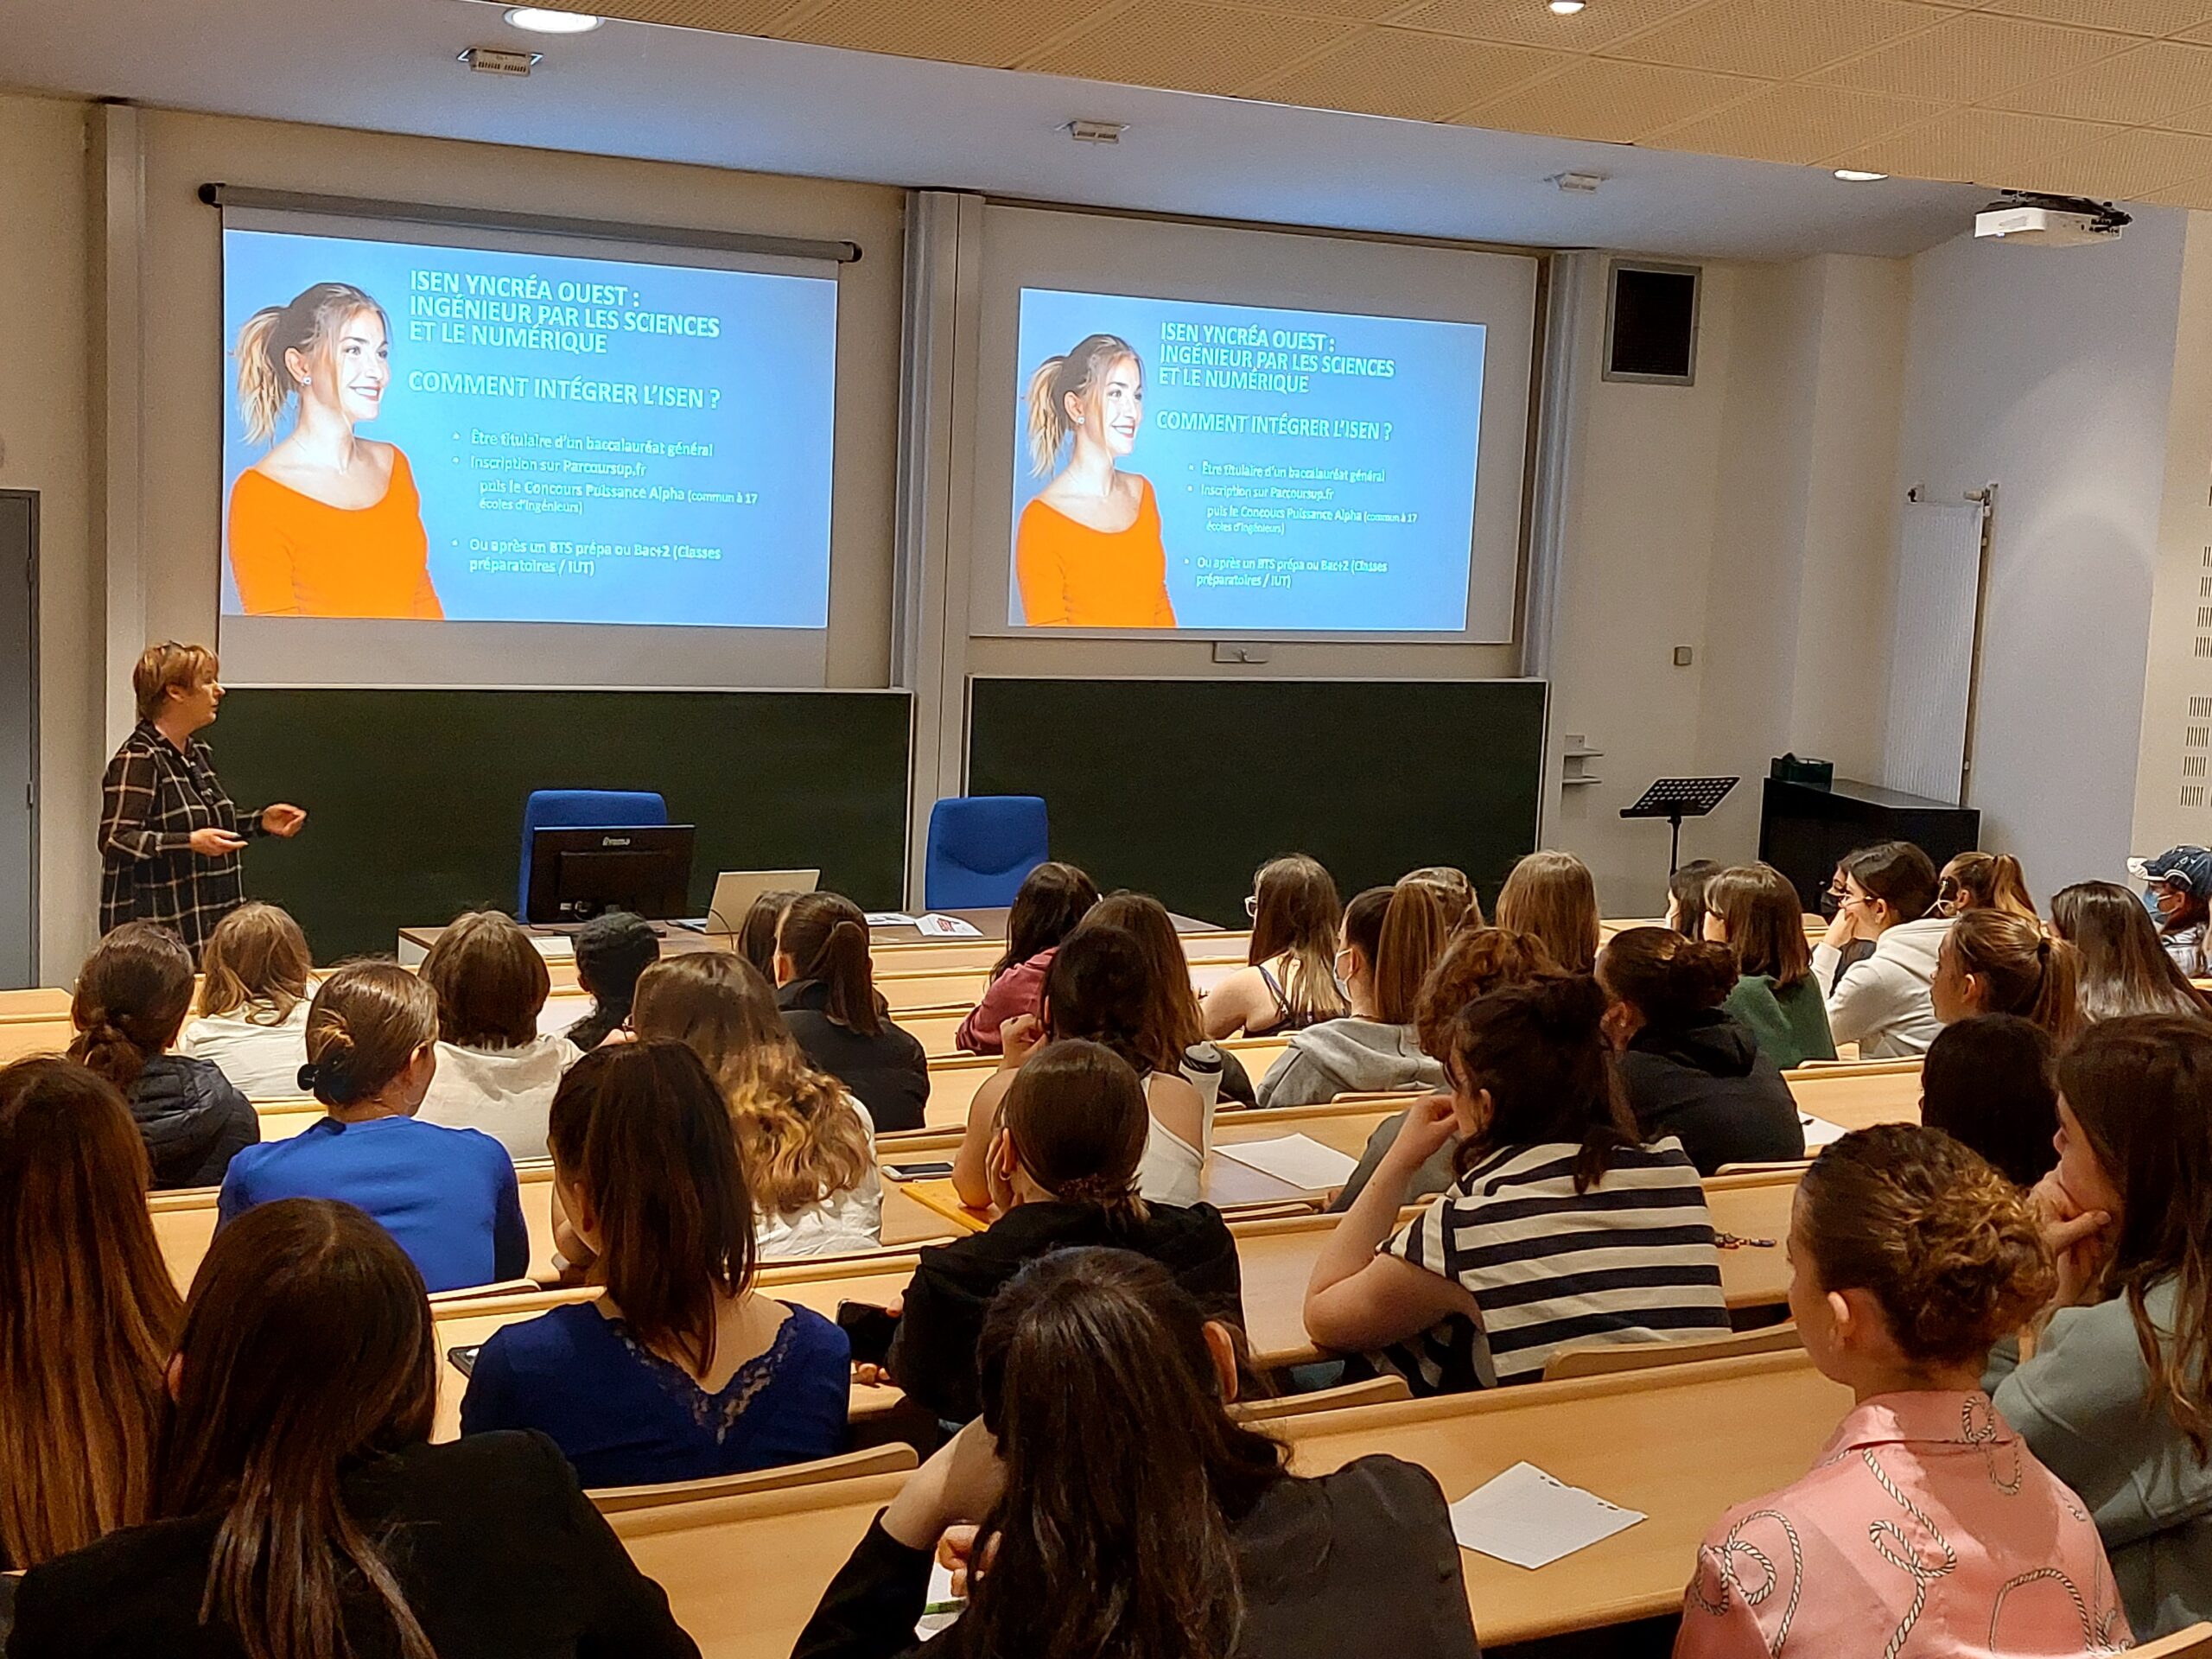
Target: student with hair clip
[(132, 995), (679, 1370), (2124, 967), (612, 949), (1491, 1279), (1985, 881), (1109, 1502), (1882, 1003), (1988, 1083), (494, 1072), (255, 982), (448, 1196), (1087, 550), (1101, 989), (2178, 892), (2117, 1400), (1754, 911), (1287, 983), (1910, 1259), (1551, 896), (808, 1146), (1173, 1027), (1461, 904), (1392, 939), (1997, 962), (756, 935), (302, 1511), (1689, 1067), (1063, 1171), (87, 1314), (1052, 898), (1686, 900), (826, 988)]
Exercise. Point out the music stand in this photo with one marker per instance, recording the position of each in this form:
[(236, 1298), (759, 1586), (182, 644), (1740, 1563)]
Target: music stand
[(1675, 799)]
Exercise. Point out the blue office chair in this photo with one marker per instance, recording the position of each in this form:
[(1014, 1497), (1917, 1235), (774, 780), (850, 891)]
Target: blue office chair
[(980, 849), (582, 809)]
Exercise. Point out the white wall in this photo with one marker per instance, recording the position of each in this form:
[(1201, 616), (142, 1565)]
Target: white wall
[(2049, 372)]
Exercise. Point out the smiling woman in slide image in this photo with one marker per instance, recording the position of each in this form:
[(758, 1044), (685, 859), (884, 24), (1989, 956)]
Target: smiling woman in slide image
[(326, 524), (1088, 552)]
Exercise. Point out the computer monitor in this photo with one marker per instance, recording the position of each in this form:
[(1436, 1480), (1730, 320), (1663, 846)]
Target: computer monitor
[(574, 874)]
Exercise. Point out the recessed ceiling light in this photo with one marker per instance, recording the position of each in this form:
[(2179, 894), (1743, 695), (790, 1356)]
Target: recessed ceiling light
[(1854, 175), (1567, 8), (538, 20)]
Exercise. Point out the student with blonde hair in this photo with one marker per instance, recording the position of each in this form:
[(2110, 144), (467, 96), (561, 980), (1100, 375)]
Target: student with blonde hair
[(1754, 910), (1087, 550), (1289, 980), (1981, 880), (448, 1196), (1910, 1259), (87, 1314), (1550, 895), (495, 1072), (253, 1017), (809, 1148), (1392, 939)]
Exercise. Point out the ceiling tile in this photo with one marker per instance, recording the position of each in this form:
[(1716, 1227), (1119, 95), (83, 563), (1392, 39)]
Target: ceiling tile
[(1195, 48), (1801, 124), (1974, 56), (997, 33), (1527, 23), (1362, 12), (1993, 147), (1757, 37), (2141, 87), (2131, 164), (2154, 19), (2196, 192), (1610, 101), (1420, 77), (730, 16)]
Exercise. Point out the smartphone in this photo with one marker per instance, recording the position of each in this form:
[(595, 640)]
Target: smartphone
[(869, 1329), (918, 1172), (464, 1359)]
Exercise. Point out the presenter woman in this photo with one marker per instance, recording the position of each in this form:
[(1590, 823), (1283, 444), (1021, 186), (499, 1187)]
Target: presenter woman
[(326, 524), (1087, 552), (169, 836)]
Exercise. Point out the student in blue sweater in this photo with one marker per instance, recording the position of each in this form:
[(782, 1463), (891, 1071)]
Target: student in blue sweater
[(447, 1196)]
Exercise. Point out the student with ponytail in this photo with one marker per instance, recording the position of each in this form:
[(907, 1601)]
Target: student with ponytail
[(304, 1512), (1910, 1258), (826, 988), (1999, 961), (1392, 937), (1494, 1276), (1109, 1504), (448, 1196), (1689, 1067), (1985, 881), (1063, 1171), (132, 995), (1886, 898), (1087, 550)]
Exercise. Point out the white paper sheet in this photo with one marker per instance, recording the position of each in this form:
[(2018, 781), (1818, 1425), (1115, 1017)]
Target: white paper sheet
[(1530, 1519), (946, 927), (555, 947), (1819, 1132), (940, 1611), (889, 919), (1298, 1158)]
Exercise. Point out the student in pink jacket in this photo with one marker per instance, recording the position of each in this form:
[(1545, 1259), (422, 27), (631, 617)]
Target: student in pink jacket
[(1052, 900), (1926, 1529)]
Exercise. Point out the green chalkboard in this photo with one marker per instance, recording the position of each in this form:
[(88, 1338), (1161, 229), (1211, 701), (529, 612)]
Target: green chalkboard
[(415, 797), (1181, 788)]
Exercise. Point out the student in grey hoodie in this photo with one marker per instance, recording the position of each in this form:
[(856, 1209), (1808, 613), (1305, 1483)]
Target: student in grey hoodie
[(1392, 936), (1883, 1002), (2117, 1400)]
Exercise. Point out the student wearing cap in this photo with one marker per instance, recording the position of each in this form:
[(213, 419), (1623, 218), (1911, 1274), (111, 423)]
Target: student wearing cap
[(2178, 889)]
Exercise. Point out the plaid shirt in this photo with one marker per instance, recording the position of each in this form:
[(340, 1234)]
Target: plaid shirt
[(151, 800)]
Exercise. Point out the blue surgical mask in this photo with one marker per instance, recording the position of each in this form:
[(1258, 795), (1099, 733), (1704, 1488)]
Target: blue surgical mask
[(2150, 897)]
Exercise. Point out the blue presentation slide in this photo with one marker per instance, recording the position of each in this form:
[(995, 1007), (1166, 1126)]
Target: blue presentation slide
[(445, 432), (1234, 468)]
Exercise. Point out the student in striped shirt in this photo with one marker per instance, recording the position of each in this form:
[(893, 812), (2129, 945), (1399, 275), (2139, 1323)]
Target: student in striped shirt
[(1560, 1229)]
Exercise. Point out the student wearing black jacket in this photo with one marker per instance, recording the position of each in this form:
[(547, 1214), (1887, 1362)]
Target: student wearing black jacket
[(1689, 1068), (1119, 1508), (826, 988), (1063, 1167)]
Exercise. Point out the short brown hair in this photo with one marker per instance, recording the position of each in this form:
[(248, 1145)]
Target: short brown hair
[(1764, 920), (364, 1025), (491, 982), (256, 954), (169, 667), (132, 995), (1947, 1246)]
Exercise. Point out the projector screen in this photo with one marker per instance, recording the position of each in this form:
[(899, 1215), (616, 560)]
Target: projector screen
[(1239, 468), (438, 457)]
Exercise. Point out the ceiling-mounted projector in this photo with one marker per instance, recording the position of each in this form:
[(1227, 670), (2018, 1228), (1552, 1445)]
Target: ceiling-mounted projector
[(2031, 217)]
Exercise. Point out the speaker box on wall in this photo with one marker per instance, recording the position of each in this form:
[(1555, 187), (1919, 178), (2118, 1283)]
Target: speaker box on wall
[(1651, 322)]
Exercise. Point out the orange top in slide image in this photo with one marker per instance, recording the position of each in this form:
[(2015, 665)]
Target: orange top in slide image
[(1074, 576), (293, 555)]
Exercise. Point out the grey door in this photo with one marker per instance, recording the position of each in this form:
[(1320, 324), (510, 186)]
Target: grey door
[(18, 738)]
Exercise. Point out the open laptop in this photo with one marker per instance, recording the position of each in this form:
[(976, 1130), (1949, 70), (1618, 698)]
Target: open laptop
[(736, 890)]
